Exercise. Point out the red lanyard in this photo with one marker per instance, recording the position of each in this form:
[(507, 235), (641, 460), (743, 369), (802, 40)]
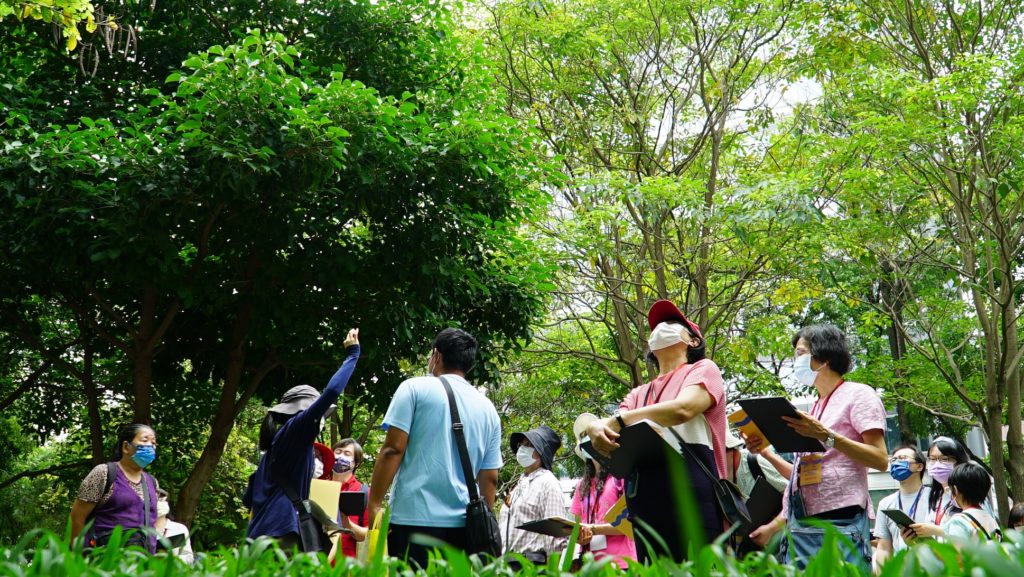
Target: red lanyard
[(825, 403)]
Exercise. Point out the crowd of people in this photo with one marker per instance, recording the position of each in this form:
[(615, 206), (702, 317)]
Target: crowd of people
[(419, 469)]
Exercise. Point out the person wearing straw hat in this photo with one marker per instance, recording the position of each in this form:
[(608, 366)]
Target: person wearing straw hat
[(286, 439), (688, 395), (596, 493)]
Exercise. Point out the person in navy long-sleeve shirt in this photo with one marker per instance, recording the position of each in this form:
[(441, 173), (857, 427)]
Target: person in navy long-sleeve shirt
[(286, 437)]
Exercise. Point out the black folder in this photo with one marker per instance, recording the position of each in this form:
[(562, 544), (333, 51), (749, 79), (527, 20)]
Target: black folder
[(764, 503), (553, 526), (640, 445), (767, 413), (352, 503)]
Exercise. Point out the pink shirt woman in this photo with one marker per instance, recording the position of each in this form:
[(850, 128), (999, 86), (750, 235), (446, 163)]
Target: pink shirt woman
[(592, 507)]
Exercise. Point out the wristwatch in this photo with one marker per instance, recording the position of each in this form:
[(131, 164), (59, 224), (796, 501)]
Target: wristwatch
[(830, 440), (618, 417)]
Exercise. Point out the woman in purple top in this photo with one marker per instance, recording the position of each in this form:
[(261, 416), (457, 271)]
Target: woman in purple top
[(286, 437), (124, 500)]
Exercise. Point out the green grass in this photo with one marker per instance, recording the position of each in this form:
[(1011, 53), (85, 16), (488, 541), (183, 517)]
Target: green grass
[(46, 554)]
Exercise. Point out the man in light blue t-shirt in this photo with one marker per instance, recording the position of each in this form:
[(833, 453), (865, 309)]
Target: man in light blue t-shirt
[(420, 455)]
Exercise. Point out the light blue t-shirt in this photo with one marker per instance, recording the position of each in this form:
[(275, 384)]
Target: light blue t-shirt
[(429, 489)]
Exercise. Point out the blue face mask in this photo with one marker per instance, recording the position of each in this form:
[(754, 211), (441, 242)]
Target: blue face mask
[(900, 470), (144, 455)]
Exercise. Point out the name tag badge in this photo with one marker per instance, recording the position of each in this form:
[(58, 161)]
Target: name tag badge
[(810, 469)]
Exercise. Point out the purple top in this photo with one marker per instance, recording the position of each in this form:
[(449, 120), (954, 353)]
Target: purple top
[(124, 508), (292, 449)]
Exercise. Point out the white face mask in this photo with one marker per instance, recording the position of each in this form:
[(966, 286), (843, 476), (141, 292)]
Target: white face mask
[(665, 335), (802, 370), (318, 468), (525, 456)]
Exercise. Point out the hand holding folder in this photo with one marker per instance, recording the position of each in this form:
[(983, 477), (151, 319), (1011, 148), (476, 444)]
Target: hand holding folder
[(766, 414)]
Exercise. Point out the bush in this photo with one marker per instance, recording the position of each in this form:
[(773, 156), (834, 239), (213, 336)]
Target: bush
[(41, 553)]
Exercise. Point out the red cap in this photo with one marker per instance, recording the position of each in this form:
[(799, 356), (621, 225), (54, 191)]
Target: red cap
[(665, 310), (327, 458)]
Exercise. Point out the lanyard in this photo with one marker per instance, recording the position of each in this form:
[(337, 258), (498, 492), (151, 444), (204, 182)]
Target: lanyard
[(824, 403), (913, 508), (650, 387), (942, 512), (594, 499)]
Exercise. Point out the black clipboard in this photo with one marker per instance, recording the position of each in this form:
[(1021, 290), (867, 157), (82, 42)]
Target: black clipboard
[(553, 526), (639, 446), (174, 541), (767, 413), (352, 503), (764, 503), (899, 517)]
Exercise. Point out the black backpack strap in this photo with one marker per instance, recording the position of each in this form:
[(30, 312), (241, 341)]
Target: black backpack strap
[(977, 525), (460, 442), (754, 466), (111, 475)]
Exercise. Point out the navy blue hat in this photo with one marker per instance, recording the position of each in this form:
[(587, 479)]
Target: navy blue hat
[(544, 440)]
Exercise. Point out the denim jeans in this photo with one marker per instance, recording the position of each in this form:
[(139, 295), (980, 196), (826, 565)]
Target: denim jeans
[(805, 538)]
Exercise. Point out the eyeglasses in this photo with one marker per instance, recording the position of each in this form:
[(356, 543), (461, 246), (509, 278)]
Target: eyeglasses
[(904, 458), (943, 459)]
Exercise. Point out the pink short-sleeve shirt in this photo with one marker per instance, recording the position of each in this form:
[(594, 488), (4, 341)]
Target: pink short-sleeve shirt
[(852, 410), (704, 373), (592, 511)]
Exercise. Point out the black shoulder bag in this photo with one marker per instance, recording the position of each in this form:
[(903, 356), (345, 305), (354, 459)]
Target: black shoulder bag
[(482, 533), (310, 532), (727, 494)]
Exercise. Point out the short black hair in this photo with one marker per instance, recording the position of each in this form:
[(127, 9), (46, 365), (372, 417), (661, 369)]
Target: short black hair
[(126, 434), (1016, 515), (919, 457), (828, 345), (971, 482), (457, 348)]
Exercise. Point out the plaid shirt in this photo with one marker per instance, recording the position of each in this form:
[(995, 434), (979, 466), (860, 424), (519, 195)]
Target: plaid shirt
[(536, 496)]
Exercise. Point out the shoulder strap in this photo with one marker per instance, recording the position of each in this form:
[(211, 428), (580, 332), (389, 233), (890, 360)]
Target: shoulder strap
[(460, 442), (691, 455), (977, 525), (754, 466), (289, 491), (146, 498), (111, 475), (109, 482)]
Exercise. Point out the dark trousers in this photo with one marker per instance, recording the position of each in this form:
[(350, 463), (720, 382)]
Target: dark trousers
[(402, 542)]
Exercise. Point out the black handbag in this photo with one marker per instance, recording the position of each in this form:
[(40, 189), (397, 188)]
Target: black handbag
[(482, 533), (727, 495)]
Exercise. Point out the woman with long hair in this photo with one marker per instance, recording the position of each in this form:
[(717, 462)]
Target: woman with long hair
[(595, 495)]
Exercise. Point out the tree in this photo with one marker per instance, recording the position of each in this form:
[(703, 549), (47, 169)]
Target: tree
[(215, 239), (647, 108), (923, 113)]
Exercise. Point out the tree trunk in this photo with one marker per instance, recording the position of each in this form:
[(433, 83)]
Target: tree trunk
[(347, 411), (92, 404)]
